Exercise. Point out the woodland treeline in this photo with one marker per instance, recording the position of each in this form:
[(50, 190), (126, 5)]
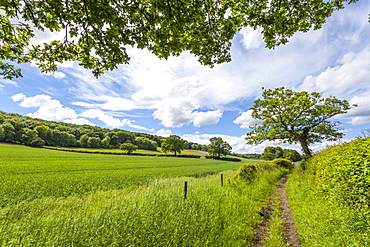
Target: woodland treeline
[(15, 128)]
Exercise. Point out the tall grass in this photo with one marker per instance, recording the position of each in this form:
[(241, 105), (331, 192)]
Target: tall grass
[(29, 173), (322, 221), (151, 215)]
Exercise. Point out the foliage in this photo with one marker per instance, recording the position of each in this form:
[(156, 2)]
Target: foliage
[(223, 158), (72, 135), (283, 163), (173, 144), (38, 142), (248, 156), (296, 117), (129, 147), (218, 147), (145, 143), (344, 172), (333, 189), (319, 216), (249, 171), (98, 33)]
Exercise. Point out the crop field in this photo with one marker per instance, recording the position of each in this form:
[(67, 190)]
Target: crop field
[(54, 198), (29, 173)]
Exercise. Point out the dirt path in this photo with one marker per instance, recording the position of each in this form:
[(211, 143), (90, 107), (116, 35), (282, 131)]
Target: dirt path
[(279, 197)]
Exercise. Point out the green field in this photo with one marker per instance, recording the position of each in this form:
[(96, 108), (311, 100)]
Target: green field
[(54, 198), (29, 173)]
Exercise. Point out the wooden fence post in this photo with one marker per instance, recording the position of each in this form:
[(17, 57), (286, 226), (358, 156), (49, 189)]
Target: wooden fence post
[(185, 189), (222, 179)]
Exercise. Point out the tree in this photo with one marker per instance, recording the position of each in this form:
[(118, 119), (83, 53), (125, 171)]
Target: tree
[(218, 147), (270, 153), (174, 144), (83, 140), (93, 142), (296, 117), (97, 33), (29, 135), (9, 132), (2, 134), (145, 143), (129, 147), (105, 142)]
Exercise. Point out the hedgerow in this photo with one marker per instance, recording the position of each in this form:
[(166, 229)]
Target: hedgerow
[(344, 170), (342, 173)]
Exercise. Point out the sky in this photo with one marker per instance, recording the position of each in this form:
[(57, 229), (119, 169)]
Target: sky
[(179, 96)]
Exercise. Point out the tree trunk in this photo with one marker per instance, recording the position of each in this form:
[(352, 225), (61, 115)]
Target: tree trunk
[(303, 143), (305, 148)]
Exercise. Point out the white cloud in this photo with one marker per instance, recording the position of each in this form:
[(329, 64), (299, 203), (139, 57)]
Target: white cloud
[(8, 82), (106, 119), (175, 115), (207, 118), (252, 39), (361, 114), (79, 121), (246, 120), (164, 133), (18, 97), (48, 109), (350, 76), (59, 75)]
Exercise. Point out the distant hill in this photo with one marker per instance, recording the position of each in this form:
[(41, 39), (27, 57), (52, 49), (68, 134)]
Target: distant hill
[(18, 129)]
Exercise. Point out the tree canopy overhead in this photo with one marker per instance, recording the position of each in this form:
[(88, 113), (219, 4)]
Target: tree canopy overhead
[(296, 117), (97, 33)]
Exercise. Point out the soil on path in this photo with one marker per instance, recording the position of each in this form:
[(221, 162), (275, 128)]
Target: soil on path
[(290, 231)]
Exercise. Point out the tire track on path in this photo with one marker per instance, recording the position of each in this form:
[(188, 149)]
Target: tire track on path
[(279, 196)]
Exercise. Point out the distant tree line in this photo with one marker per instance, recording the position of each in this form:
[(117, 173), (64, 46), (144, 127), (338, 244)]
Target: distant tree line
[(15, 128), (271, 153)]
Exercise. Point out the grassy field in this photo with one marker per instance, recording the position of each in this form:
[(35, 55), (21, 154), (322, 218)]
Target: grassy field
[(54, 198), (29, 173)]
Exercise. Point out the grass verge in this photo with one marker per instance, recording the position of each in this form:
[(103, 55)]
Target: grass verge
[(322, 221), (152, 215)]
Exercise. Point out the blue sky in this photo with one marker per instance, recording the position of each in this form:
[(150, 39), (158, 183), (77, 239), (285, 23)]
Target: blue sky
[(179, 96)]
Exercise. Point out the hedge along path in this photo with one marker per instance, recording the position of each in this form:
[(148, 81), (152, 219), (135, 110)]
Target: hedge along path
[(278, 197)]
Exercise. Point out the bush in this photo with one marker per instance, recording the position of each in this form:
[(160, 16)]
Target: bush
[(344, 172), (248, 171), (283, 163), (223, 158), (37, 143)]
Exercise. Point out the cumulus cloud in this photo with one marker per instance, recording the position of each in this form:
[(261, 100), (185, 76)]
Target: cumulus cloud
[(361, 114), (48, 108), (251, 39), (79, 121), (164, 133), (351, 75), (246, 120), (207, 118), (106, 119), (177, 114), (18, 97)]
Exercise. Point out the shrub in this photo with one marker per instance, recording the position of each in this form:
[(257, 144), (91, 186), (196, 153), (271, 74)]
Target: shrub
[(283, 163), (248, 171), (38, 142), (223, 158)]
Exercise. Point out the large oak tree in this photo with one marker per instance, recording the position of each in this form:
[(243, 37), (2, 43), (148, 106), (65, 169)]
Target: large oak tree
[(296, 117), (97, 33)]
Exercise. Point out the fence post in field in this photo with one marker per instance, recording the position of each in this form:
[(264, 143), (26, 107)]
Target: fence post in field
[(185, 189), (222, 179)]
